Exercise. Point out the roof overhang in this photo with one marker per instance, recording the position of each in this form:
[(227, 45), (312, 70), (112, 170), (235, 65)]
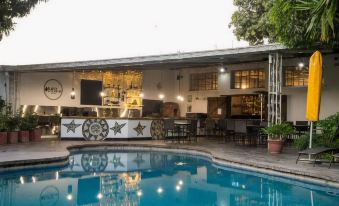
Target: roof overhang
[(169, 61)]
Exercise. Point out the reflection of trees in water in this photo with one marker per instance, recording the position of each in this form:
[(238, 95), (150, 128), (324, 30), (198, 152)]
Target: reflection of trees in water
[(120, 189), (94, 161)]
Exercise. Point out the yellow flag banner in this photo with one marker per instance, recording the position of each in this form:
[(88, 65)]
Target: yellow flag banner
[(314, 87)]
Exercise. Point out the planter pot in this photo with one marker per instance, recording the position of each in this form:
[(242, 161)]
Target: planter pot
[(12, 137), (24, 136), (3, 138), (35, 134), (275, 146)]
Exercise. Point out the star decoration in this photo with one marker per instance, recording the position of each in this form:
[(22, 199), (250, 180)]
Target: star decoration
[(117, 162), (139, 129), (71, 126), (117, 128)]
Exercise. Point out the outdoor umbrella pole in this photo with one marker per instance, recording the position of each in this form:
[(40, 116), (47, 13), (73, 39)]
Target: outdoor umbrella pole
[(311, 135)]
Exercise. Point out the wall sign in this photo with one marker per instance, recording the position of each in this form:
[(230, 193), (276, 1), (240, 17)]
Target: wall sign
[(53, 89)]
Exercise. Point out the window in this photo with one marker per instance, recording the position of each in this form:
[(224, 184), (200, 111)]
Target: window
[(295, 77), (248, 79), (204, 81)]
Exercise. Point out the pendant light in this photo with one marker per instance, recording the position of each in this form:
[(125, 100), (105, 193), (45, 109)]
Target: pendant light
[(73, 92)]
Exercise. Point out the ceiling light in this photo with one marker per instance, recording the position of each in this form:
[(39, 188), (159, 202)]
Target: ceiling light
[(301, 64), (161, 96), (180, 98), (222, 69)]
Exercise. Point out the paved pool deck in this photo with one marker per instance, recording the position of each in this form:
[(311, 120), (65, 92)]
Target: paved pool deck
[(252, 158)]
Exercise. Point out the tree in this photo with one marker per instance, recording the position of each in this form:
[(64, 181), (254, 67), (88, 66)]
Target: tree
[(10, 9), (324, 17), (294, 23), (250, 21)]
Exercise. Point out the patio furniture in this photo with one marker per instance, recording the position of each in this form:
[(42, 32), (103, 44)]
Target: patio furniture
[(221, 127), (240, 131), (182, 130), (169, 127), (253, 133), (210, 127), (202, 126), (334, 156), (230, 125), (315, 152), (191, 132)]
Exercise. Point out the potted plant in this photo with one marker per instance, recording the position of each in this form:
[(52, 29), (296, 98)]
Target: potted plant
[(24, 127), (34, 131), (3, 129), (13, 127), (277, 134)]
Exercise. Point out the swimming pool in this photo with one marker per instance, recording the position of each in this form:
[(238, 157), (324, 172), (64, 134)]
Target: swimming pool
[(107, 177)]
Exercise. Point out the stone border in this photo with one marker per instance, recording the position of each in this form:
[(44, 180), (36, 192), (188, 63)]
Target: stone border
[(277, 172)]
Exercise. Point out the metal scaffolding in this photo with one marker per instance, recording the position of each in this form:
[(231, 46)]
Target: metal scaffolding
[(274, 88)]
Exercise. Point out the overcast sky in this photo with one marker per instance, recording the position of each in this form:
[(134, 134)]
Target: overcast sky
[(75, 30)]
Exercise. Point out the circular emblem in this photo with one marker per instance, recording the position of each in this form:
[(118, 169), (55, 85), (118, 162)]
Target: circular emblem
[(49, 196), (157, 129), (95, 129), (94, 162), (53, 89)]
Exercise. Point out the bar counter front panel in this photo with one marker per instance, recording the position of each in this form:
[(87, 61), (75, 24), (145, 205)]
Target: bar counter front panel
[(110, 128)]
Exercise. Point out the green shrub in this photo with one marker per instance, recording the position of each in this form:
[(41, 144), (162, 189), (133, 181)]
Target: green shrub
[(3, 123), (279, 131), (328, 137)]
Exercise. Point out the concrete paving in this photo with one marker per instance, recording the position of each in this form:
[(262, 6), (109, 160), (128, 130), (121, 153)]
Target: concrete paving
[(253, 158)]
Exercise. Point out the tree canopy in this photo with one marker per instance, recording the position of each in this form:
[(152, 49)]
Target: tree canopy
[(11, 9), (294, 23)]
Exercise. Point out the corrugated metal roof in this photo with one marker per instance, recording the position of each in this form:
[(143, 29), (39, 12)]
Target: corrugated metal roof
[(176, 60)]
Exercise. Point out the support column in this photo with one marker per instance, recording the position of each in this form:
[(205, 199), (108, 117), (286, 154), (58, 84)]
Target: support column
[(274, 88)]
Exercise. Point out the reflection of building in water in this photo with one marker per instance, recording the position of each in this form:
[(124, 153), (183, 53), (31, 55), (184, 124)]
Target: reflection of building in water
[(120, 189), (7, 190)]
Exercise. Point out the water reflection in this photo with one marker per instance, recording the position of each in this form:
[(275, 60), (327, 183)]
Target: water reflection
[(153, 178)]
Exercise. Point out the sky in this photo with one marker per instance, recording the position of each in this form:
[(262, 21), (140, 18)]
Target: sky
[(80, 30)]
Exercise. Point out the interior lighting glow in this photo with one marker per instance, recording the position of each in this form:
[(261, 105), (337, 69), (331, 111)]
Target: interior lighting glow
[(141, 95)]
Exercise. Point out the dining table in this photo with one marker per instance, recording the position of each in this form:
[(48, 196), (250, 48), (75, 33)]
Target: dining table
[(182, 129)]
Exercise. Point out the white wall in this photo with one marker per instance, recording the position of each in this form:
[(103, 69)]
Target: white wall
[(31, 89), (159, 81)]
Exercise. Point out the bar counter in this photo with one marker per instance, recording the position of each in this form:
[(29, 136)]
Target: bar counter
[(94, 128)]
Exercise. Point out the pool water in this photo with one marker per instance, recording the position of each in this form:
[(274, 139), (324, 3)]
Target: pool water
[(154, 178)]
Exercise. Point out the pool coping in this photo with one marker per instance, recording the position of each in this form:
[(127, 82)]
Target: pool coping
[(267, 169)]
